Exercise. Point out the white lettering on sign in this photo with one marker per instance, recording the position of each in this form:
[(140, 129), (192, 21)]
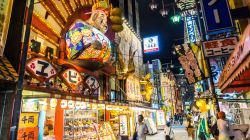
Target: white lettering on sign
[(41, 69), (71, 77), (215, 11), (219, 47)]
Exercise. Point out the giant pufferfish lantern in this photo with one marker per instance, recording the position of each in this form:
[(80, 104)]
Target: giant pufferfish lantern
[(85, 40), (148, 87)]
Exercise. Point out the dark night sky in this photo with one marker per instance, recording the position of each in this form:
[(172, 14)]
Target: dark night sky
[(152, 23)]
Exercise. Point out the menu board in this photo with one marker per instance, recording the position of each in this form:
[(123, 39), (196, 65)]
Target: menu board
[(160, 118), (123, 125)]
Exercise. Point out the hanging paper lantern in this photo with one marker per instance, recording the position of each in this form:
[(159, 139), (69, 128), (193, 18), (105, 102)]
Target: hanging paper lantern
[(78, 105), (53, 103), (83, 105), (71, 104), (64, 104)]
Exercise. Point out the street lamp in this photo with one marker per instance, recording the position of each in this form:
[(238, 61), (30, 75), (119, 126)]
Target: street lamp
[(163, 11), (153, 5)]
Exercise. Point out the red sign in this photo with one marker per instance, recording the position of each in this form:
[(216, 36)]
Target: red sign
[(72, 78), (41, 69), (239, 54), (30, 133), (219, 47)]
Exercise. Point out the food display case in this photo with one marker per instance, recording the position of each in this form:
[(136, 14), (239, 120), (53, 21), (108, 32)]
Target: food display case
[(105, 131), (80, 124)]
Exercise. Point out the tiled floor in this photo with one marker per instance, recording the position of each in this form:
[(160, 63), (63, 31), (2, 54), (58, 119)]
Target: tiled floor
[(179, 134)]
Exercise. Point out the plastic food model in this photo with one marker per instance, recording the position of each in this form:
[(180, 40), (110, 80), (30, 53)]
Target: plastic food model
[(80, 125)]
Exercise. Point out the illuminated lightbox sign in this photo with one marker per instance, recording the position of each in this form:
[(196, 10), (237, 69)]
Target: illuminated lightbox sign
[(85, 42), (151, 44), (41, 69), (71, 77)]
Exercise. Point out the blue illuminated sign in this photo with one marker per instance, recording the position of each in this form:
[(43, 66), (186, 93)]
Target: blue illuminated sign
[(190, 24), (217, 15)]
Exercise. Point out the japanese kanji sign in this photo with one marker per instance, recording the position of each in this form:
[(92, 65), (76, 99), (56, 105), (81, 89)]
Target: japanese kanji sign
[(28, 120), (92, 82), (30, 133), (41, 69), (219, 47), (72, 78), (217, 15), (189, 63), (190, 27), (240, 53)]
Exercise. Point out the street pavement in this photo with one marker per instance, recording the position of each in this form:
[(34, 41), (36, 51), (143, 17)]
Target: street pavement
[(179, 134)]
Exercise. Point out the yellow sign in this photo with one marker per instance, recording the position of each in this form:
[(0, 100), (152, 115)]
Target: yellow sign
[(28, 120)]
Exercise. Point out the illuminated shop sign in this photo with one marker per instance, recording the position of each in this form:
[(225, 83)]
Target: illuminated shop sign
[(151, 44), (85, 42), (220, 46), (189, 63), (71, 77), (190, 25), (41, 69), (217, 15)]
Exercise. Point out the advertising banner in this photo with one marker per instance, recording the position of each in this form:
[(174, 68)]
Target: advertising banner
[(151, 44), (189, 63), (123, 125), (219, 47), (160, 118), (217, 15), (217, 64)]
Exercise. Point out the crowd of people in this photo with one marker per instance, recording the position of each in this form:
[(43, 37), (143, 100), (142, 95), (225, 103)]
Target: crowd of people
[(199, 128)]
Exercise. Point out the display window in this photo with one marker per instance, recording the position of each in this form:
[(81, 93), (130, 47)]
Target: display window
[(119, 118), (52, 119)]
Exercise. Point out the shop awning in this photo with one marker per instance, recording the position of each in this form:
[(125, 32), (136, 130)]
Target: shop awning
[(235, 76), (7, 72)]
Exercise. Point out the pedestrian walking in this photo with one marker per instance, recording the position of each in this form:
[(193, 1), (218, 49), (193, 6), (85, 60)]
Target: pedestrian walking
[(169, 134), (141, 129), (223, 126)]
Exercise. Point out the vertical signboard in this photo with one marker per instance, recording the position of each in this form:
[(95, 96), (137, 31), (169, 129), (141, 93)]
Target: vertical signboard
[(216, 66), (217, 15), (123, 125)]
